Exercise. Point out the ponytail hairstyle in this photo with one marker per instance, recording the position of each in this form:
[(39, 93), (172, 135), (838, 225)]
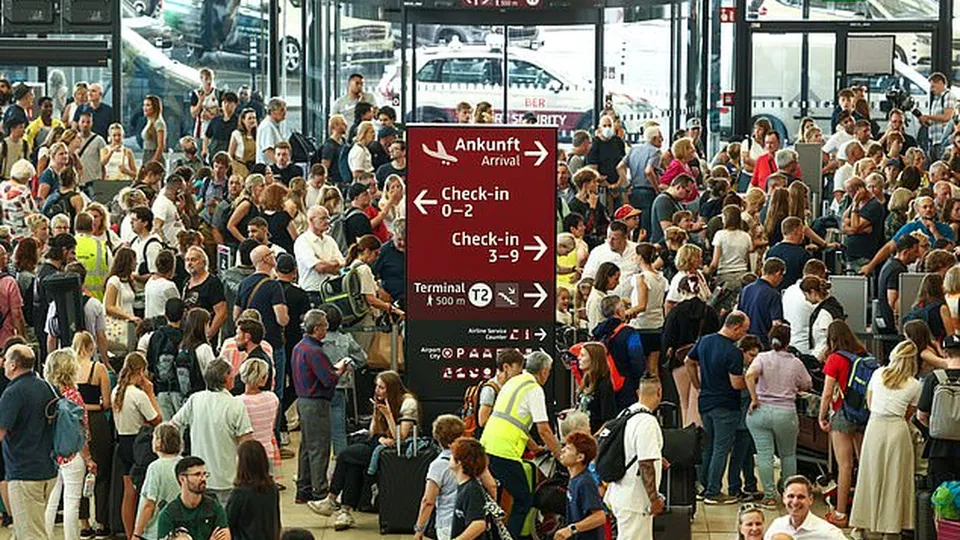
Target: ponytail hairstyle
[(648, 252), (902, 365), (815, 284), (367, 242), (779, 336), (134, 364)]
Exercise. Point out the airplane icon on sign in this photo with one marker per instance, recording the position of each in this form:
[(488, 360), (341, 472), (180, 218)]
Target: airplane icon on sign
[(440, 153)]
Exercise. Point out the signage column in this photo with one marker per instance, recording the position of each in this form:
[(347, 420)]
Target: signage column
[(481, 225)]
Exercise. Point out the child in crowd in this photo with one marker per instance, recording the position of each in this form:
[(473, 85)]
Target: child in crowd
[(567, 268), (564, 315), (741, 479), (584, 286), (160, 485), (468, 461), (585, 513)]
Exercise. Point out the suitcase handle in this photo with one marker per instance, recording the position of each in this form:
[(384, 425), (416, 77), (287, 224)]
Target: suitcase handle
[(400, 422)]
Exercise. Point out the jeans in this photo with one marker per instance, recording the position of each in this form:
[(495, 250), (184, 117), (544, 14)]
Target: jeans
[(642, 199), (70, 483), (28, 501), (721, 427), (314, 454), (513, 479), (279, 384), (740, 475), (771, 426), (338, 420), (351, 471)]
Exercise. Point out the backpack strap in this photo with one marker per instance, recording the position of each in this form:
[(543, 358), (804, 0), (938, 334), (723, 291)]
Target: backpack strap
[(85, 145), (941, 375), (254, 291)]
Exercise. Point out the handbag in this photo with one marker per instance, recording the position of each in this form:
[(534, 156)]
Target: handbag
[(379, 353), (118, 334)]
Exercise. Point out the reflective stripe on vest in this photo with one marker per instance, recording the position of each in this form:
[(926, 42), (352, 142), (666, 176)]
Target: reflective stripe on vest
[(506, 433), (93, 254)]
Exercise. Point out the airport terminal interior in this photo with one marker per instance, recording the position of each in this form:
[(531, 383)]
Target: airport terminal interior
[(480, 269)]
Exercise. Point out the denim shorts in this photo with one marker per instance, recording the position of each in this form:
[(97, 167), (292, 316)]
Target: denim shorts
[(840, 423)]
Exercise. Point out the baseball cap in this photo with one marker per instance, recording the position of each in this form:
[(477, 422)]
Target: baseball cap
[(286, 264), (693, 123), (625, 211), (951, 342), (387, 131), (355, 190), (20, 91)]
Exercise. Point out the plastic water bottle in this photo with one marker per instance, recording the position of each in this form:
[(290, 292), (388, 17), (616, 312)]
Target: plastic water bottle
[(88, 484)]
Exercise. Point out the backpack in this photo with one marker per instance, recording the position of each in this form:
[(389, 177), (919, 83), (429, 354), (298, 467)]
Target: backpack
[(143, 456), (855, 398), (69, 433), (945, 411), (343, 291), (59, 203), (470, 410), (929, 313), (188, 376), (338, 227), (162, 352), (612, 461), (343, 163), (143, 268)]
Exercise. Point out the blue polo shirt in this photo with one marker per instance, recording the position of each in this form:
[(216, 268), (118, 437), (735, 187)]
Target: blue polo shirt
[(795, 256), (915, 225), (762, 302), (102, 117), (719, 358), (28, 443)]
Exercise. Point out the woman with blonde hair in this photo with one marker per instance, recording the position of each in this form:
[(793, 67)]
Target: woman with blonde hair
[(43, 153), (116, 159), (49, 181), (394, 189), (683, 151), (101, 226), (60, 371), (59, 224), (261, 407), (245, 208), (951, 290), (689, 262), (359, 158), (296, 204), (332, 200), (93, 384), (80, 98), (885, 489), (134, 406), (154, 133), (898, 208)]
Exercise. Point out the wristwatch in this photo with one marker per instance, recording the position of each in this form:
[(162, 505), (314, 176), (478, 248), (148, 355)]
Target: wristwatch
[(419, 529), (573, 528)]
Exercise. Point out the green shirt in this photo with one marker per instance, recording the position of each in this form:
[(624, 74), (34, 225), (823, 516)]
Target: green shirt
[(200, 521)]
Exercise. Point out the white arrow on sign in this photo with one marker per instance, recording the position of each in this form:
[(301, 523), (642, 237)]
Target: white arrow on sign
[(420, 202), (540, 334), (540, 295), (541, 153), (540, 248)]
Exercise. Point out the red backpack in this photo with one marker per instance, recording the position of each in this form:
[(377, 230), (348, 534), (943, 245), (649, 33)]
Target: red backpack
[(615, 377), (470, 411)]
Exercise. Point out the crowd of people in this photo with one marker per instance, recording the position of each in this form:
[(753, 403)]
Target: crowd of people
[(186, 319)]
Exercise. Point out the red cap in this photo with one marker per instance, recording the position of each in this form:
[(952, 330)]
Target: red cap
[(624, 212)]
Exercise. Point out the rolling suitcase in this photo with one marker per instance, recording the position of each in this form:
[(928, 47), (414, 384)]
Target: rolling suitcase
[(401, 483), (675, 522), (923, 514)]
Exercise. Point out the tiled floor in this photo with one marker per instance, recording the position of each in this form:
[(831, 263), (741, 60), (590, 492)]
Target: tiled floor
[(711, 523)]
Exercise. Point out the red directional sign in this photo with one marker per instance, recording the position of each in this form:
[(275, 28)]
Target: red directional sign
[(481, 220)]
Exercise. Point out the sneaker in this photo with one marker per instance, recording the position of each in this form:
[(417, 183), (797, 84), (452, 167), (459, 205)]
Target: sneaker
[(103, 533), (700, 493), (344, 521), (87, 534), (719, 500), (7, 520), (749, 496), (325, 508), (286, 453), (834, 519), (284, 439), (304, 498), (769, 503)]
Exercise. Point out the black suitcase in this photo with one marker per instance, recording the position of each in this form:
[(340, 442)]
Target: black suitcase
[(675, 523), (924, 526), (401, 485)]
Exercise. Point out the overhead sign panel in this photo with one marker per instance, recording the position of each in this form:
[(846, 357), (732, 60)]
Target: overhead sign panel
[(480, 256)]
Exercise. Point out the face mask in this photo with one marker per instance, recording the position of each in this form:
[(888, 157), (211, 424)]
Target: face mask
[(377, 125), (607, 132)]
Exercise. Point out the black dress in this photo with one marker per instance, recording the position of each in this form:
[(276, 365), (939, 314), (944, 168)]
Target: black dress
[(277, 223), (254, 515)]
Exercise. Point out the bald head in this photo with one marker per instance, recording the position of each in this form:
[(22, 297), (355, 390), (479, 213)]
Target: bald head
[(781, 536), (262, 258), (17, 360)]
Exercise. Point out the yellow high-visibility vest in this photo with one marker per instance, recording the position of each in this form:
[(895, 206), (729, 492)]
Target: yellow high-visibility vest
[(92, 253), (507, 431)]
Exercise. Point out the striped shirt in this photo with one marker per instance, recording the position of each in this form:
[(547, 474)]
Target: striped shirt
[(262, 410)]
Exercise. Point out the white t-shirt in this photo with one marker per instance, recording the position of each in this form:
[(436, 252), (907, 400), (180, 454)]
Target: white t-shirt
[(205, 356), (137, 411), (165, 210), (840, 177), (892, 402), (594, 311), (836, 142), (125, 294), (735, 248), (147, 250), (642, 439), (797, 311), (313, 195), (652, 317), (269, 133), (360, 159), (156, 292)]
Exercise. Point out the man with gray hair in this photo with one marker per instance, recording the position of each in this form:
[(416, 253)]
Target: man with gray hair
[(317, 253), (315, 379), (853, 152), (100, 112), (520, 405), (218, 424), (939, 172), (625, 347), (787, 164), (271, 131), (643, 162)]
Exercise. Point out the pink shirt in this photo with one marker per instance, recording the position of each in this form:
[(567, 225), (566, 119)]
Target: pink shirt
[(262, 410), (781, 376), (236, 356), (10, 300)]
